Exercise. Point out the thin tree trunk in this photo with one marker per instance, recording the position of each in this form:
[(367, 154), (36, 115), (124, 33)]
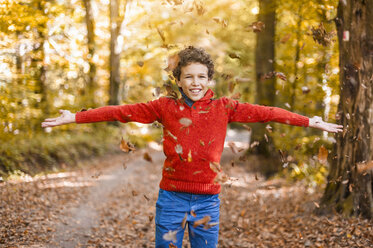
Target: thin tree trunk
[(350, 181), (266, 90), (91, 85), (116, 22)]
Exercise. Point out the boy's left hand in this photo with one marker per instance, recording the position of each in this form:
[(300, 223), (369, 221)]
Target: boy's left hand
[(317, 122)]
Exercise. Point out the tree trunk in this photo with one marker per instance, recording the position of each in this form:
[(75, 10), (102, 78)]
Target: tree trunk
[(116, 22), (38, 66), (266, 90), (91, 85), (350, 181)]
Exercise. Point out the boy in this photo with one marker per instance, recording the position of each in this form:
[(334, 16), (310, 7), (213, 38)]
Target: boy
[(194, 132)]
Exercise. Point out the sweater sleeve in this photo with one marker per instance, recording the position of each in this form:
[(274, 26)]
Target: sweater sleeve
[(139, 112), (245, 112)]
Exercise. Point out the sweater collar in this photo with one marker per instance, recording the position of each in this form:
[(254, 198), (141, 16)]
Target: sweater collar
[(209, 94)]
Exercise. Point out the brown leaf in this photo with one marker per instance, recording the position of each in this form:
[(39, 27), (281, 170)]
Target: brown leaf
[(234, 148), (199, 7), (234, 56), (146, 197), (151, 217), (197, 172), (134, 193), (172, 62), (140, 63), (202, 143), (323, 155), (192, 213), (320, 35), (202, 221), (236, 96), (147, 157), (257, 26), (126, 146), (215, 167), (285, 38)]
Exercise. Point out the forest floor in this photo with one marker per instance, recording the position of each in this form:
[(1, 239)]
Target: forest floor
[(111, 203)]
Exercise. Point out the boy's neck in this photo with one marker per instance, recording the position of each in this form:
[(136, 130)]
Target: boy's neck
[(188, 101)]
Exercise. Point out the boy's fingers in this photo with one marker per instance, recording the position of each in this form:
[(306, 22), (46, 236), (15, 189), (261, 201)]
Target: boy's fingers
[(51, 119)]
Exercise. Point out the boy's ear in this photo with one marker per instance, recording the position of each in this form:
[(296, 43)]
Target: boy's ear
[(211, 83), (178, 82)]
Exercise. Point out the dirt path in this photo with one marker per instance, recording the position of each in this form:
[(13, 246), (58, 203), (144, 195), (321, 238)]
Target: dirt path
[(107, 204)]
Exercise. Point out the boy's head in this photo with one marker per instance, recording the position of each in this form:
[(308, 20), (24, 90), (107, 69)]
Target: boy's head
[(194, 72)]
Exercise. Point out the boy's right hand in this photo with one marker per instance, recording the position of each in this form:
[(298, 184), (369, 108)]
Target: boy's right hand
[(65, 118)]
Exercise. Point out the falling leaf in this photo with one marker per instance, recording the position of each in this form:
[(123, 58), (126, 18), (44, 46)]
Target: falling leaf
[(285, 38), (247, 127), (243, 80), (323, 155), (161, 34), (316, 204), (209, 225), (273, 74), (269, 128), (345, 181), (266, 137), (236, 96), (172, 246), (126, 146), (231, 86), (320, 35), (257, 26), (202, 221), (151, 217), (124, 166), (157, 91), (234, 56), (255, 143), (207, 31), (134, 193), (256, 177), (199, 7), (234, 148), (147, 157), (170, 91), (146, 197), (172, 62), (305, 90), (186, 122), (190, 156), (97, 174), (140, 63), (183, 223), (170, 236)]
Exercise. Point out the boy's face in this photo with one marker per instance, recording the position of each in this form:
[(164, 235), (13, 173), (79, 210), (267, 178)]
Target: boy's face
[(194, 80)]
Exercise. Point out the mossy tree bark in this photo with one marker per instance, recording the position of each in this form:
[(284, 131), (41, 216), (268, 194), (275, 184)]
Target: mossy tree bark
[(350, 181)]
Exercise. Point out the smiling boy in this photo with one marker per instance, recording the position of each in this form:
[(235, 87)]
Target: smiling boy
[(194, 132)]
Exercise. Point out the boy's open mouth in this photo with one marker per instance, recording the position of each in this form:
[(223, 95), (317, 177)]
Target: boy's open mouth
[(195, 91)]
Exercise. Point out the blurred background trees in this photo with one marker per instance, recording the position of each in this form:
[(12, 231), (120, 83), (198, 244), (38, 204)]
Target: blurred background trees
[(82, 54)]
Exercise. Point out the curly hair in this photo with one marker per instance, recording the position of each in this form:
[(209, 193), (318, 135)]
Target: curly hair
[(193, 55)]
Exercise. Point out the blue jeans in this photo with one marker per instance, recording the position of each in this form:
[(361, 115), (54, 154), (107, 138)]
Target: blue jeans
[(171, 209)]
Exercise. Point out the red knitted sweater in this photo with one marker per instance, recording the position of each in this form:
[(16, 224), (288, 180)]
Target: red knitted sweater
[(196, 132)]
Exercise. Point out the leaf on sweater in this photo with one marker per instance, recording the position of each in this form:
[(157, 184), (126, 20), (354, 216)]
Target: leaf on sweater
[(215, 167), (147, 157), (202, 143), (197, 172), (172, 136), (186, 122), (169, 169), (190, 156), (179, 149), (202, 221), (170, 236)]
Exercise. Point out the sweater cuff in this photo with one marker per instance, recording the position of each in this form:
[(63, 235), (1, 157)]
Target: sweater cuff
[(81, 117)]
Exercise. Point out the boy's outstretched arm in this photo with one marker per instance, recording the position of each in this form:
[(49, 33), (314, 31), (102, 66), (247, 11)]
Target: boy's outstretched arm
[(65, 118), (317, 122)]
